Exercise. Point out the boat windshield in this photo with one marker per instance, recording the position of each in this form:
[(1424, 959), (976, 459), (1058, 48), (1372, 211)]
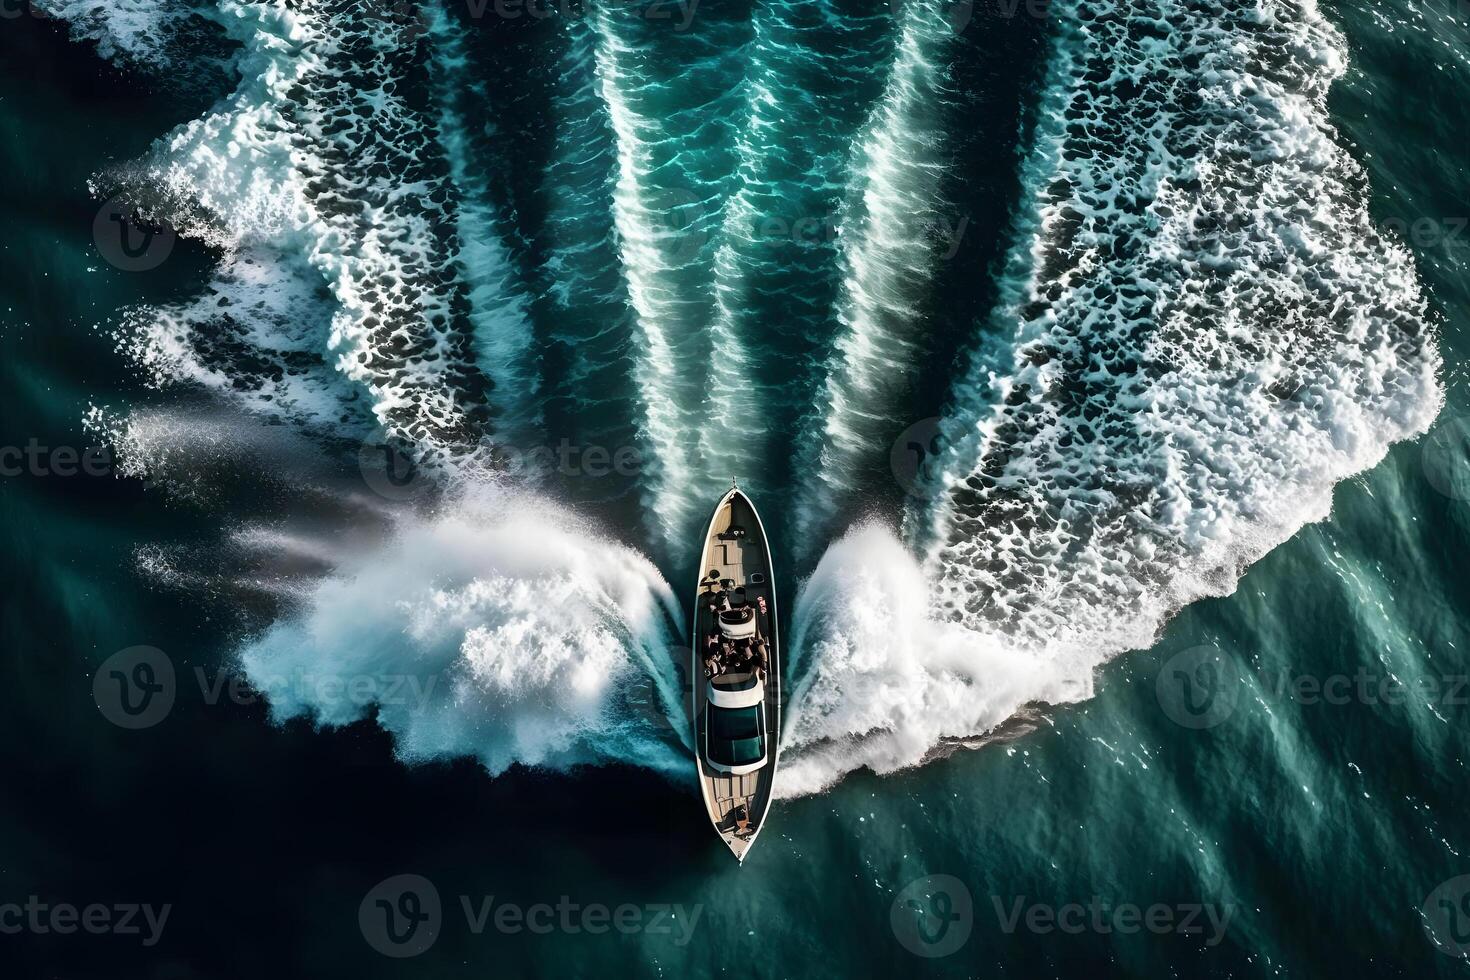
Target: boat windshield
[(735, 735)]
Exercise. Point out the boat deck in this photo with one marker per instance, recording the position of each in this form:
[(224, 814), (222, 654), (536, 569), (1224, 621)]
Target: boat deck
[(738, 803)]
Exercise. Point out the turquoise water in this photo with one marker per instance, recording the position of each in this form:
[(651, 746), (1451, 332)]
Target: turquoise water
[(598, 280)]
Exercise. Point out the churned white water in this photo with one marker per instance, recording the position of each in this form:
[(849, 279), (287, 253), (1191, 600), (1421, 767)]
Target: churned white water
[(1200, 333)]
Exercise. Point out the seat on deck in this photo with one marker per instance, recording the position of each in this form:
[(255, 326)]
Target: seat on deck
[(738, 623)]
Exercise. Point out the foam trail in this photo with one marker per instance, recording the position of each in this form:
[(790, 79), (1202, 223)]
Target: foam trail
[(259, 335), (809, 63), (1201, 335), (889, 244), (885, 685), (150, 35), (592, 327), (667, 207), (503, 337), (324, 151), (339, 304), (501, 630), (500, 627)]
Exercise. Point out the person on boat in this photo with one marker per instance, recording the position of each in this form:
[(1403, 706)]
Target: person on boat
[(762, 658), (744, 656), (711, 656)]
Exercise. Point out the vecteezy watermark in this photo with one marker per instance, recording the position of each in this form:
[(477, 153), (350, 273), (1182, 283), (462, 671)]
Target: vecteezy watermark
[(135, 688), (64, 919), (1446, 457), (679, 12), (1427, 232), (960, 14), (138, 687), (38, 459), (944, 235), (402, 916), (568, 460), (394, 473), (128, 240), (566, 916), (1446, 917), (1105, 917), (391, 471), (678, 225), (1367, 687), (1198, 687), (915, 448), (932, 916)]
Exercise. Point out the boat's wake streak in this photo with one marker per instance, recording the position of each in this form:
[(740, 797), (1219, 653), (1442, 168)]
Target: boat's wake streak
[(1198, 335), (468, 618), (1203, 334), (886, 685), (888, 251), (501, 629), (482, 622)]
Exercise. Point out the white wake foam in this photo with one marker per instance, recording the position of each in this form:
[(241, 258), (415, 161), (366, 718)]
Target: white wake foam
[(888, 246), (343, 178), (666, 103), (335, 181), (503, 334), (884, 683), (1201, 334), (138, 32), (502, 629)]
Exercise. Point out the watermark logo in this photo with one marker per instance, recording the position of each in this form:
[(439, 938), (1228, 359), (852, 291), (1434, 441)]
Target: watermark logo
[(933, 916), (1446, 457), (939, 235), (1446, 915), (396, 474), (568, 460), (679, 12), (678, 218), (1104, 918), (1197, 687), (1200, 687), (401, 916), (571, 917), (392, 472), (915, 447), (42, 918), (1367, 688), (37, 459), (135, 688), (128, 241)]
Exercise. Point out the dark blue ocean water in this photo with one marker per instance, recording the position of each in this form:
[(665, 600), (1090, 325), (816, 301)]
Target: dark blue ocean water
[(1096, 368)]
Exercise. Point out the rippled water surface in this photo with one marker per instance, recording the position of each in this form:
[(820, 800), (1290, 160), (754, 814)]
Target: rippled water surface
[(369, 369)]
